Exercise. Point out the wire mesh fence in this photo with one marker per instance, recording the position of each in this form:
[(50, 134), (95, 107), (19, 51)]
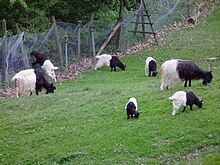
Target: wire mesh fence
[(74, 39)]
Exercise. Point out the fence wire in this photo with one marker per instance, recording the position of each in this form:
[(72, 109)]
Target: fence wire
[(19, 47)]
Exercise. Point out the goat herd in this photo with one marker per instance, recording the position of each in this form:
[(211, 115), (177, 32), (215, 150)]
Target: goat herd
[(31, 80)]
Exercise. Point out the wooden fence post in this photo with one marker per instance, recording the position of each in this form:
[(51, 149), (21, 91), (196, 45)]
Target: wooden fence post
[(4, 56), (24, 56), (114, 30), (121, 14), (91, 40), (59, 50)]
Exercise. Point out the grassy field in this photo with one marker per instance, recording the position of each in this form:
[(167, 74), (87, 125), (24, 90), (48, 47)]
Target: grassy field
[(84, 121)]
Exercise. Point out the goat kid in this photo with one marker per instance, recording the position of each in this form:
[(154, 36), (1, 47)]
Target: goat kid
[(45, 64), (132, 108), (27, 81), (109, 60), (184, 99), (150, 67), (179, 70)]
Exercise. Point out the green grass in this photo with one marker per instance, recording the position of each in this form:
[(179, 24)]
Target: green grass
[(84, 121)]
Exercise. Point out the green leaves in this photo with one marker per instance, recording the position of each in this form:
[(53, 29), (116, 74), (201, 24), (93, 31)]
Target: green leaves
[(18, 2)]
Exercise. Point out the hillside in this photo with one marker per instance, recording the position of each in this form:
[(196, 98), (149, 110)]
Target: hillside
[(84, 121)]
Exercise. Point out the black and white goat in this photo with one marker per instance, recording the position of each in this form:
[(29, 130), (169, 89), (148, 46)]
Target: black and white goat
[(109, 60), (45, 64), (150, 67), (131, 108), (28, 81), (184, 99), (175, 70)]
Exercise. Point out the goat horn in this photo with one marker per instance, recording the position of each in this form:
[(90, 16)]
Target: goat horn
[(209, 67)]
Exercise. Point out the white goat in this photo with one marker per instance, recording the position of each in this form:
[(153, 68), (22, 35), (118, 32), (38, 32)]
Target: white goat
[(24, 82), (28, 81)]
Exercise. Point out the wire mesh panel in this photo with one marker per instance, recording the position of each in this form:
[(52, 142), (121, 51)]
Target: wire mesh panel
[(19, 47)]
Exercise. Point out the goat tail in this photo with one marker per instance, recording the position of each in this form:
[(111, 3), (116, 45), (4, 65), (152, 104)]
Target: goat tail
[(160, 71), (171, 98), (97, 57), (16, 86), (13, 78)]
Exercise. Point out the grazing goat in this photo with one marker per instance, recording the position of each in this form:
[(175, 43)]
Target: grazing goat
[(109, 60), (175, 70), (45, 64), (150, 67), (27, 81), (132, 108), (184, 99)]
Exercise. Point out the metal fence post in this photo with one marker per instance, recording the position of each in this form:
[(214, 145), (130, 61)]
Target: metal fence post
[(66, 53), (79, 39)]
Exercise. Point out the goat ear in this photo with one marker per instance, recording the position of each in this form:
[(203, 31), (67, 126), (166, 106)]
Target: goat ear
[(201, 100), (55, 68)]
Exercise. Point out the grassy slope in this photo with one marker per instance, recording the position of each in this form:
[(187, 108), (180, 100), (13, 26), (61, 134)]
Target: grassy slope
[(85, 122)]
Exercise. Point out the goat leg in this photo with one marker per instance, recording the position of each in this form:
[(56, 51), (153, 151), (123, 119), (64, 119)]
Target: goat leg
[(184, 108), (34, 63), (185, 84), (189, 82), (128, 115)]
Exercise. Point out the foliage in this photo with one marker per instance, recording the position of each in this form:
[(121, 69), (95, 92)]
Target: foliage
[(84, 121), (36, 15)]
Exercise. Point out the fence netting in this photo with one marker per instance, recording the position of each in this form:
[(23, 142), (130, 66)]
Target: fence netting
[(17, 48)]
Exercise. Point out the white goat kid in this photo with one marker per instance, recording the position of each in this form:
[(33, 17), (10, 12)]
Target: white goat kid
[(179, 99), (103, 59), (50, 69)]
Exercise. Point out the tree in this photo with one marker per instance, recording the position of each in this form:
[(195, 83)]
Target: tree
[(35, 15)]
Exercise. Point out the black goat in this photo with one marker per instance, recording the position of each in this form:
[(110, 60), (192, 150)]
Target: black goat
[(41, 82), (40, 58), (174, 70), (150, 67), (115, 62), (188, 71), (182, 98), (192, 99), (109, 60), (132, 109)]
